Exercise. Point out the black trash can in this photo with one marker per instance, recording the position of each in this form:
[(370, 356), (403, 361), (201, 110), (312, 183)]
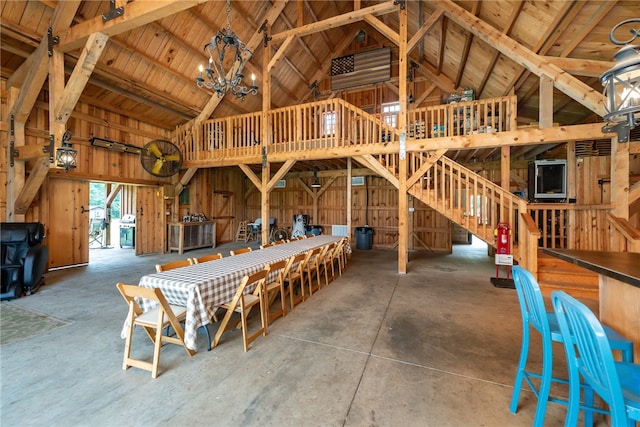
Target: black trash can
[(364, 237)]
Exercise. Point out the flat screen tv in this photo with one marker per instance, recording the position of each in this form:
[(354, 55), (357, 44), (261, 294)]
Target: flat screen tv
[(548, 180)]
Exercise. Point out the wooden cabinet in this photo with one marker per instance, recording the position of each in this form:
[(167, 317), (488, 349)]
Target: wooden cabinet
[(183, 236)]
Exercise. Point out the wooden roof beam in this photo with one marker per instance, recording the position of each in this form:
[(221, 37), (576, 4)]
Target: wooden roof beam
[(426, 27), (475, 10), (581, 67), (545, 43), (135, 14), (525, 57), (80, 76), (515, 12), (383, 28), (337, 21)]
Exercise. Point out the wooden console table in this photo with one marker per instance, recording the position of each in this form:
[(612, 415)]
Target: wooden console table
[(183, 236), (619, 278)]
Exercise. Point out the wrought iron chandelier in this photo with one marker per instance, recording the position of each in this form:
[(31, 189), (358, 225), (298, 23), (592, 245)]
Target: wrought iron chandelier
[(227, 58), (622, 85)]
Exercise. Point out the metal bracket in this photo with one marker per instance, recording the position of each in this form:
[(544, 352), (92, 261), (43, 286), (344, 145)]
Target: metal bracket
[(402, 3), (264, 157), (52, 142), (114, 11), (622, 129), (51, 40), (265, 37)]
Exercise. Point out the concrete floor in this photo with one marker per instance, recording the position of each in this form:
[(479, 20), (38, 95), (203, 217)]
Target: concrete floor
[(435, 347)]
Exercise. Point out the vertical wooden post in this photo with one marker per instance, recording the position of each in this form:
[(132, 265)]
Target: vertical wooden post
[(265, 135), (349, 195), (403, 237), (572, 169), (546, 102), (56, 89), (15, 173), (619, 190)]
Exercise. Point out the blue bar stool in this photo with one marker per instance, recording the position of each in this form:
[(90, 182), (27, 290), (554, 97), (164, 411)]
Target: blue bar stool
[(589, 356), (534, 315)]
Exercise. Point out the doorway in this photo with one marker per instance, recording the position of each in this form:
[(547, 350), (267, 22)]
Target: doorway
[(105, 214)]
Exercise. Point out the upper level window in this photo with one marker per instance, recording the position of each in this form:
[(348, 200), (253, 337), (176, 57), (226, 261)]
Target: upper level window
[(390, 113), (328, 123)]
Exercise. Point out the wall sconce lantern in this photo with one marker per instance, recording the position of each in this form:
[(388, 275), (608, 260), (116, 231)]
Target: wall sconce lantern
[(66, 155), (316, 182), (621, 94)]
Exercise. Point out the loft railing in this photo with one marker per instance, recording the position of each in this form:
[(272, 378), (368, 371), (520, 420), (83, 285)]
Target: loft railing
[(463, 118), (336, 123), (312, 126)]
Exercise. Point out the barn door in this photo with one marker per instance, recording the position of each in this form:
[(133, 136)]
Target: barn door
[(223, 215), (150, 220), (68, 227)]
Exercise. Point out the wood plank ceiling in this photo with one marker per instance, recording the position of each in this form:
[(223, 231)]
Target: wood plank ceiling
[(148, 72)]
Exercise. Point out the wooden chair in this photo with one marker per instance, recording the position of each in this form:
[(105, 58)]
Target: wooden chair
[(279, 242), (275, 288), (337, 257), (266, 245), (206, 258), (157, 319), (173, 264), (295, 277), (313, 268), (327, 262), (240, 251), (242, 304)]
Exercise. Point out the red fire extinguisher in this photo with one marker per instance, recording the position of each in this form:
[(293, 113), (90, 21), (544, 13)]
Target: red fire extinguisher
[(503, 238), (503, 247)]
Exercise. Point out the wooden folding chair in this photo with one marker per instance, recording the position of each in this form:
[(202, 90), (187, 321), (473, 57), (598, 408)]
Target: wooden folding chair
[(276, 287), (206, 258), (313, 267), (337, 258), (295, 277), (326, 262), (157, 319), (173, 264), (242, 304), (240, 251)]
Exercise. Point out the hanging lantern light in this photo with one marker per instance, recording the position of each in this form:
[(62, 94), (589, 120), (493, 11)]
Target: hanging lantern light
[(621, 94), (66, 155)]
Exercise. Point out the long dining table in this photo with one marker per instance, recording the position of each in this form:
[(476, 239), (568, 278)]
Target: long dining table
[(202, 288)]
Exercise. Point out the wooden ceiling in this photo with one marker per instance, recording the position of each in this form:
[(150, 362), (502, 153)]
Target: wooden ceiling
[(147, 69)]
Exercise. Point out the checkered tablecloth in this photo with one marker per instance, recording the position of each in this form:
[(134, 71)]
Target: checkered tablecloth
[(202, 288)]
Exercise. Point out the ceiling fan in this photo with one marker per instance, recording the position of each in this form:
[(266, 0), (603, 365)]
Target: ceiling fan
[(161, 158)]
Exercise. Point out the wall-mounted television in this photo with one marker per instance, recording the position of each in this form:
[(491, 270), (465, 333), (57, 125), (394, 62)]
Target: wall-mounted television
[(548, 180)]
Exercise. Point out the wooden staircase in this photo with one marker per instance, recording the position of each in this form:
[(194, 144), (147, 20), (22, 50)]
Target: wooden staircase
[(466, 198)]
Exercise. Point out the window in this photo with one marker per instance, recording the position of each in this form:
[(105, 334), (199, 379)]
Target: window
[(328, 123), (390, 113)]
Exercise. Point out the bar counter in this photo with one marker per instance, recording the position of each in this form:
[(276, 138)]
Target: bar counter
[(619, 287)]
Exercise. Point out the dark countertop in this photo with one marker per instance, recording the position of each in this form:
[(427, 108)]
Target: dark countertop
[(623, 266)]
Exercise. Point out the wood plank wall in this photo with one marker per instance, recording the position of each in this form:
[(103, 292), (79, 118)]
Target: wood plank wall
[(374, 204)]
